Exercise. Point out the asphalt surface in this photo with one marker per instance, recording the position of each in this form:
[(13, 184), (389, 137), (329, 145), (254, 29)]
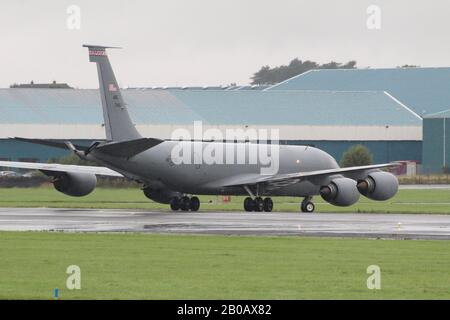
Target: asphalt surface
[(397, 226)]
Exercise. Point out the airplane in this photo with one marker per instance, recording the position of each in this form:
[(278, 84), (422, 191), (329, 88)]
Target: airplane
[(304, 171)]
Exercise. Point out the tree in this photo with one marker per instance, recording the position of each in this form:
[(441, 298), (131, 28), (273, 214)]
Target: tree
[(263, 76), (357, 155), (337, 65), (268, 76)]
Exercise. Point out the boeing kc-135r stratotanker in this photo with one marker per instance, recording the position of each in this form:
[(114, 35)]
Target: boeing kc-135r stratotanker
[(303, 171)]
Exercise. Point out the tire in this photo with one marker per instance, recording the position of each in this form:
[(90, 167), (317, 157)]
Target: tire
[(175, 204), (259, 204), (185, 203), (195, 204), (268, 205), (249, 204), (308, 207)]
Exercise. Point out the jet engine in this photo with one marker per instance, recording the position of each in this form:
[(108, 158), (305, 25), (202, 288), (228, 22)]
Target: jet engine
[(340, 192), (75, 184), (378, 185), (160, 195)]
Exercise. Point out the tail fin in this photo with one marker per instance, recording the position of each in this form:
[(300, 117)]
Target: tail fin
[(118, 123)]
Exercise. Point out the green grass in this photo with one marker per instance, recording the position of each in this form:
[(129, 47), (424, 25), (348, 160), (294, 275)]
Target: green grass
[(406, 201), (129, 266)]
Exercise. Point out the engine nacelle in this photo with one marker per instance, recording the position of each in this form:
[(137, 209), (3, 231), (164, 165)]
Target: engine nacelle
[(75, 184), (378, 185), (160, 195), (340, 192)]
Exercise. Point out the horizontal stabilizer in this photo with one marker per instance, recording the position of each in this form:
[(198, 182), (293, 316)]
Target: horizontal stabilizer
[(51, 143), (129, 148)]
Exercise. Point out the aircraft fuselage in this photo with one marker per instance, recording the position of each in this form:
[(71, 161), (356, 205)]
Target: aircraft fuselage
[(163, 166)]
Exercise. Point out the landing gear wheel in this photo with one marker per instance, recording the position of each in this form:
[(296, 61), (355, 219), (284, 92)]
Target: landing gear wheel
[(185, 203), (249, 204), (268, 205), (259, 204), (175, 204), (307, 206), (195, 203)]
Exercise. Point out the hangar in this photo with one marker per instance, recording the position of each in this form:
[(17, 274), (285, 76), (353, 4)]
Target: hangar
[(424, 91), (436, 142), (331, 120), (329, 109)]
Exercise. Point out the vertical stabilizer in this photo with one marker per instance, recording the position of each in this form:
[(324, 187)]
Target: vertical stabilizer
[(118, 123)]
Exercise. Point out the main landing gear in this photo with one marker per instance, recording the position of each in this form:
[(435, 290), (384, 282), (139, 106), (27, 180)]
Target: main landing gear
[(258, 204), (307, 205), (185, 203)]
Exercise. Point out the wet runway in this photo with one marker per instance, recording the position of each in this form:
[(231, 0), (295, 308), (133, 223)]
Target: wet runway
[(402, 226)]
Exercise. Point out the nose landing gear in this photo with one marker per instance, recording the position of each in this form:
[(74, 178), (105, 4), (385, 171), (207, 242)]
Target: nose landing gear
[(307, 205)]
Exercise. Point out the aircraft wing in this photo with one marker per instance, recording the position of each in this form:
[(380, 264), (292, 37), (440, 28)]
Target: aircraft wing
[(280, 180), (61, 168)]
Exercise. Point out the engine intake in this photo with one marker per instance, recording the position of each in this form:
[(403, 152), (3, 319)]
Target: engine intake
[(378, 185), (340, 192), (75, 184)]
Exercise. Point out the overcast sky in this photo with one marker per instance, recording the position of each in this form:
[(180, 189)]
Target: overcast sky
[(209, 42)]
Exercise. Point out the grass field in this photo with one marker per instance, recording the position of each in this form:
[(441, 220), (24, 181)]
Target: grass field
[(406, 201), (129, 266)]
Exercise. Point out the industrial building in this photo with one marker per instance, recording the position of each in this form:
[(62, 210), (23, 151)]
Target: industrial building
[(394, 112), (424, 91), (436, 142), (326, 119)]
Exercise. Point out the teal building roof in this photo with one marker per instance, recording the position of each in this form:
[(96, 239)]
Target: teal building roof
[(217, 107), (424, 90)]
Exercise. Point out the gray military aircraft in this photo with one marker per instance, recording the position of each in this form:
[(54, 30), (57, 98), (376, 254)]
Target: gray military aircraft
[(303, 171)]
